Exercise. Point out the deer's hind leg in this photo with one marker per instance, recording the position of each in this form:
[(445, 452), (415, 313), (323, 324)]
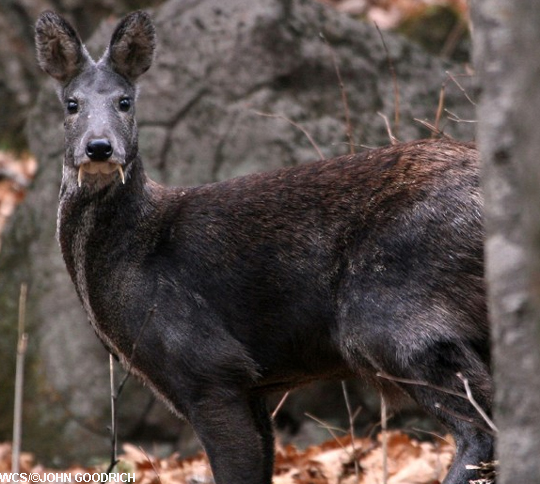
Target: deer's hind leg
[(423, 359)]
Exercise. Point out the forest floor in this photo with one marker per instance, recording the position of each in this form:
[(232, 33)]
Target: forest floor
[(406, 461)]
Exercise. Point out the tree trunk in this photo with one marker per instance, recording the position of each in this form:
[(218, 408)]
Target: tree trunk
[(506, 40)]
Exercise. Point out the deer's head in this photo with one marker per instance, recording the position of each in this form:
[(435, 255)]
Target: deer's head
[(98, 97)]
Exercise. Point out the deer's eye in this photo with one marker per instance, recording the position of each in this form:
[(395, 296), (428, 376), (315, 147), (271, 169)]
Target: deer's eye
[(124, 104), (72, 106)]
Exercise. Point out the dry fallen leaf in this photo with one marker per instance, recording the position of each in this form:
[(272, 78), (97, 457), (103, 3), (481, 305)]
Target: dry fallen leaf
[(16, 174), (409, 462)]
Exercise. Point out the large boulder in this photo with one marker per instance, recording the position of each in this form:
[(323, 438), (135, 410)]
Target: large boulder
[(219, 65)]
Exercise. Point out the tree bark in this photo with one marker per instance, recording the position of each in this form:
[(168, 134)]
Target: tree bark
[(507, 58)]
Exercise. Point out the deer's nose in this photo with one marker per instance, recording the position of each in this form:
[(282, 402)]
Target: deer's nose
[(99, 149)]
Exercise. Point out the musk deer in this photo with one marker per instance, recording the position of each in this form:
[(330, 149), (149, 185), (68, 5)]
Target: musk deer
[(361, 265)]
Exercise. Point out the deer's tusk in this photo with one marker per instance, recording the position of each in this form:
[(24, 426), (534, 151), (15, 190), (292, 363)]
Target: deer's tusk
[(122, 175)]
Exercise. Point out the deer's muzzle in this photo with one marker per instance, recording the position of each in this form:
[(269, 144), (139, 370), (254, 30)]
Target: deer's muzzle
[(99, 167)]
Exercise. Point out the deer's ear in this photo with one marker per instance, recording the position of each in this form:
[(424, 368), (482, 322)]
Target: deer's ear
[(132, 46), (60, 52)]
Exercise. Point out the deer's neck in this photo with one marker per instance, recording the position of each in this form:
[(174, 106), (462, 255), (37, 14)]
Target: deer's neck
[(105, 237), (101, 223)]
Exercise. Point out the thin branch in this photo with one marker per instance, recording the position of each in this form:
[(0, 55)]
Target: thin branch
[(115, 395), (151, 463), (467, 396), (454, 117), (460, 87), (331, 430), (440, 109), (351, 429), (393, 139), (22, 344), (394, 80), (384, 432), (280, 404), (469, 420), (297, 126), (344, 99), (475, 404), (433, 434), (431, 127), (114, 418), (149, 316), (435, 128), (375, 425), (422, 384)]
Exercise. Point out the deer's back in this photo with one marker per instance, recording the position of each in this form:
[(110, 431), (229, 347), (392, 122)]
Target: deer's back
[(281, 250)]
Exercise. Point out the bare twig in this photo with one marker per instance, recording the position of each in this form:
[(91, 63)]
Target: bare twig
[(115, 395), (384, 433), (454, 117), (422, 384), (394, 81), (393, 139), (280, 404), (467, 396), (296, 125), (459, 86), (19, 381), (435, 127), (431, 127), (351, 428), (151, 463), (114, 418), (433, 434), (475, 404), (464, 418), (438, 405), (373, 427), (149, 316), (331, 430), (353, 456), (344, 99), (440, 109)]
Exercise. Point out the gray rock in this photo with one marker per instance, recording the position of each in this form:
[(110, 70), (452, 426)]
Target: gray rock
[(219, 65)]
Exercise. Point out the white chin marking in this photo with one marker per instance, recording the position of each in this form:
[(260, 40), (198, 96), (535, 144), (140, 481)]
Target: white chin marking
[(99, 168)]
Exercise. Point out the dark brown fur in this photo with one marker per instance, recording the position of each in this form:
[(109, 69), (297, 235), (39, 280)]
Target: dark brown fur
[(359, 265)]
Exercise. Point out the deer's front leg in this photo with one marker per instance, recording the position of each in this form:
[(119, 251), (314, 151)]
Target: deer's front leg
[(236, 431)]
